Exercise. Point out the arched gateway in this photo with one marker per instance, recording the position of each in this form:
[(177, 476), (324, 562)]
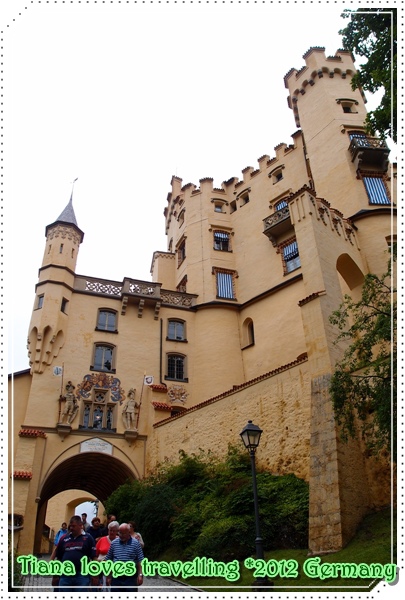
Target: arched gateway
[(98, 473)]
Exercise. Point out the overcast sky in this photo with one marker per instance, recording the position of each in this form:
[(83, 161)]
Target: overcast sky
[(124, 95)]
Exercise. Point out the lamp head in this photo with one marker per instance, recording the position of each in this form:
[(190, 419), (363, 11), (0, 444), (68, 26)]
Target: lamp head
[(251, 436)]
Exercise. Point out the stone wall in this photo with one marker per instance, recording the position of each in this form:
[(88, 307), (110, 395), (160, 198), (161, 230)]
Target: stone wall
[(279, 403)]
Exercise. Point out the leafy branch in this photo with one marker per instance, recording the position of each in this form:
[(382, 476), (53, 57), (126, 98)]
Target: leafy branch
[(363, 385)]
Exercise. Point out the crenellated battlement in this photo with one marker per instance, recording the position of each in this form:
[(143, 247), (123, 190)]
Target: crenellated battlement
[(180, 194), (317, 66)]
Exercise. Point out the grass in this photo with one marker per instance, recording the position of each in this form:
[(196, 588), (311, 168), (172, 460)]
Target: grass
[(372, 544)]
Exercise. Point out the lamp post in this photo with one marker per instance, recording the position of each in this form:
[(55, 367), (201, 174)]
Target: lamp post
[(251, 437)]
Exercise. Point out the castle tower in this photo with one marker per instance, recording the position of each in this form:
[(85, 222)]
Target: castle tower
[(54, 289), (345, 163)]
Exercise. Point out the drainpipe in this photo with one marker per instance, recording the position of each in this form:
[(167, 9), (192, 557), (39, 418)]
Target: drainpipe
[(161, 352)]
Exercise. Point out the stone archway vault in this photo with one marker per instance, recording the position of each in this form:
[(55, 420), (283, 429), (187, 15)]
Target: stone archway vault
[(93, 472)]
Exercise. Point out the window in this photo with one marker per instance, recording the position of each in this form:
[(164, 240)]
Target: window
[(176, 330), (107, 320), (182, 287), (291, 257), (61, 249), (103, 358), (244, 198), (225, 283), (181, 217), (98, 413), (181, 252), (40, 301), (233, 206), (376, 189), (219, 205), (276, 174), (281, 204), (251, 332), (361, 138), (222, 240), (348, 106), (176, 367), (64, 304), (248, 333)]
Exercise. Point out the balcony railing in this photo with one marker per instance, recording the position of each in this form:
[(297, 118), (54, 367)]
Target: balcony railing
[(369, 152), (140, 291), (277, 223)]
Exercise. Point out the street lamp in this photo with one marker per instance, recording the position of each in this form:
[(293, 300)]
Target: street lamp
[(251, 437)]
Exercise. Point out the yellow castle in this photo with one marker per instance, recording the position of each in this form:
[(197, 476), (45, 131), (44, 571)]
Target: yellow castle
[(234, 325)]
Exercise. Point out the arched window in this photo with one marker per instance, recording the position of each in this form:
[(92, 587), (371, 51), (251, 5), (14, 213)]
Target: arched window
[(104, 358), (107, 320), (176, 330), (280, 204), (276, 174), (248, 333)]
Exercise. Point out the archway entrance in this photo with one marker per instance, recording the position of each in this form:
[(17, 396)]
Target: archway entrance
[(96, 473)]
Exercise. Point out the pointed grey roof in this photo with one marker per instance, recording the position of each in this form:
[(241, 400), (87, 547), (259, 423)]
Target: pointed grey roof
[(68, 214)]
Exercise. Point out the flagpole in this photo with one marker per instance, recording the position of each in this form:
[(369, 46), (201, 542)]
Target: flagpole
[(61, 388), (140, 399)]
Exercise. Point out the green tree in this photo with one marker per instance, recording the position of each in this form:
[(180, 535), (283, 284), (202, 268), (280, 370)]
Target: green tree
[(202, 505), (363, 385), (372, 34)]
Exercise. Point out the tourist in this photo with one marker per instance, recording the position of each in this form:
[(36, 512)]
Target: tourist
[(110, 518), (103, 545), (95, 530), (125, 549), (72, 547), (135, 534), (63, 529), (85, 523)]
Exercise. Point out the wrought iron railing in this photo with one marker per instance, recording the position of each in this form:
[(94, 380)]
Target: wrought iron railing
[(366, 142)]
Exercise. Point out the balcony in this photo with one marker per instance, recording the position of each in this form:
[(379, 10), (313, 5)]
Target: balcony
[(369, 152), (135, 292), (277, 224)]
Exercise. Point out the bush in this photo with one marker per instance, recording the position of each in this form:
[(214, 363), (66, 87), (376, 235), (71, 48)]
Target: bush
[(203, 506), (224, 539)]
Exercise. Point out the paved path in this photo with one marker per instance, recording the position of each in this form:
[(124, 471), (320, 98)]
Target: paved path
[(37, 583)]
